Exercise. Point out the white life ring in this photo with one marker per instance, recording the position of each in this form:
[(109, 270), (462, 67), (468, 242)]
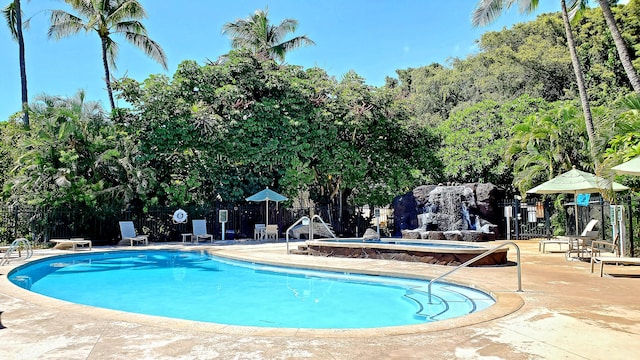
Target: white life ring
[(180, 216)]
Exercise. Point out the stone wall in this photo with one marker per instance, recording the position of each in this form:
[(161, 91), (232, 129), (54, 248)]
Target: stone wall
[(497, 258)]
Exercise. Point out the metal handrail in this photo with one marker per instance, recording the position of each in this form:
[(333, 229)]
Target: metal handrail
[(291, 227), (15, 245), (310, 227), (484, 254)]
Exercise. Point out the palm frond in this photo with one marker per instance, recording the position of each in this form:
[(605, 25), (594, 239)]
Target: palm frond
[(576, 9), (112, 51), (281, 49), (131, 26), (631, 102), (129, 9), (85, 7), (150, 47), (525, 6), (64, 24), (10, 14), (287, 26), (487, 11)]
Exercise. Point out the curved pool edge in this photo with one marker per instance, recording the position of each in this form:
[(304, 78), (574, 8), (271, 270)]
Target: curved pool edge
[(507, 302)]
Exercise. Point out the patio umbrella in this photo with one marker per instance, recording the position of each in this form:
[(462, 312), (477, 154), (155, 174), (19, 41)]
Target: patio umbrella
[(576, 182), (631, 167), (266, 195)]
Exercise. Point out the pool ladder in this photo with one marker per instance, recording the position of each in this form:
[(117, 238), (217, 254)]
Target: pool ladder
[(484, 254), (15, 245)]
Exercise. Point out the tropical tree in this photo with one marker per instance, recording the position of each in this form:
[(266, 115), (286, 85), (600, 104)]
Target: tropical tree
[(262, 38), (487, 11), (621, 47), (107, 18), (13, 15), (545, 144), (55, 163), (623, 140)]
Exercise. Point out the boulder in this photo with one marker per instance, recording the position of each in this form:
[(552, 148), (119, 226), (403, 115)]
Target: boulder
[(370, 234)]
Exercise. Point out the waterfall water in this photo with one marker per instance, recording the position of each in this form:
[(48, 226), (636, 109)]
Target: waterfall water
[(467, 218)]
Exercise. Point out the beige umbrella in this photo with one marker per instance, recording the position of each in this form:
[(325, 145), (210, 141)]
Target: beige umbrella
[(576, 182), (631, 167)]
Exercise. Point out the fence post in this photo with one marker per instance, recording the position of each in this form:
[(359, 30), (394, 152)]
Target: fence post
[(516, 216), (15, 222), (630, 198), (547, 216), (602, 217)]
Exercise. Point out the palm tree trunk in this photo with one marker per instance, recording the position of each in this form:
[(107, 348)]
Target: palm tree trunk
[(623, 52), (577, 69), (107, 77), (23, 67)]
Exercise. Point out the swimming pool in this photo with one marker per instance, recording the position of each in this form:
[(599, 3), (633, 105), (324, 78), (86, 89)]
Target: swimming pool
[(443, 252), (197, 286)]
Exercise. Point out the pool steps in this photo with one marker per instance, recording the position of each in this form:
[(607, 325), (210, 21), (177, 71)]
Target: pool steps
[(301, 250), (465, 301)]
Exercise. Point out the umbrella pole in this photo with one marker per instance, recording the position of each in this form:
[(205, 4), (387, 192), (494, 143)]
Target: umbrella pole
[(575, 204), (266, 204)]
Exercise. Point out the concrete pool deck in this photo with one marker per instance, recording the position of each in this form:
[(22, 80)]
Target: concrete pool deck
[(564, 312)]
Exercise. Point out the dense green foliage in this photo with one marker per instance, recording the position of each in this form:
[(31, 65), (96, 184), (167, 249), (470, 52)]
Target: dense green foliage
[(235, 127), (508, 114)]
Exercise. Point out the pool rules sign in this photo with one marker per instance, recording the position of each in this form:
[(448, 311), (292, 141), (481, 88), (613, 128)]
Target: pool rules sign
[(223, 216)]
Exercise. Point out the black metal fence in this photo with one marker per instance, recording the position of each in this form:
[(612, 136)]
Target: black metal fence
[(534, 218), (40, 225), (538, 218)]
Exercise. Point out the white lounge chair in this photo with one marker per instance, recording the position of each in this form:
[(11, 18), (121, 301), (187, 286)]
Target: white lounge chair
[(200, 231), (574, 243), (128, 232)]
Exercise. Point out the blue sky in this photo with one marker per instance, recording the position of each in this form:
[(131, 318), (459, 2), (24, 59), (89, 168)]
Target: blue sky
[(372, 37)]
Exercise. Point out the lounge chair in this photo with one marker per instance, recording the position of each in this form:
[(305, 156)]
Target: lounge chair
[(259, 232), (200, 231), (625, 260), (271, 232), (574, 243), (597, 247), (128, 232), (72, 243)]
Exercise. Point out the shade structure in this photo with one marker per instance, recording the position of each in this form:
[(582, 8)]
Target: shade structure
[(631, 167), (576, 182), (267, 195)]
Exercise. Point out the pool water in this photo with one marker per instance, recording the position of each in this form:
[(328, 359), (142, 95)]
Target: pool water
[(198, 286)]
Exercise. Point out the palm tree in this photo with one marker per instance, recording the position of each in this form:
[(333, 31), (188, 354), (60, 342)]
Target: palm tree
[(623, 52), (487, 11), (107, 18), (13, 15), (256, 34)]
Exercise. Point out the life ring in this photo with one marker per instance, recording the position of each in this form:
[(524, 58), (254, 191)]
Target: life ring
[(180, 216)]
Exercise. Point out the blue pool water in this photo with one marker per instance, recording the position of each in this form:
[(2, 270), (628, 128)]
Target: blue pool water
[(197, 286)]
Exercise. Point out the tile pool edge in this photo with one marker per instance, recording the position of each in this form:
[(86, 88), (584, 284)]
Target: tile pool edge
[(507, 302)]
